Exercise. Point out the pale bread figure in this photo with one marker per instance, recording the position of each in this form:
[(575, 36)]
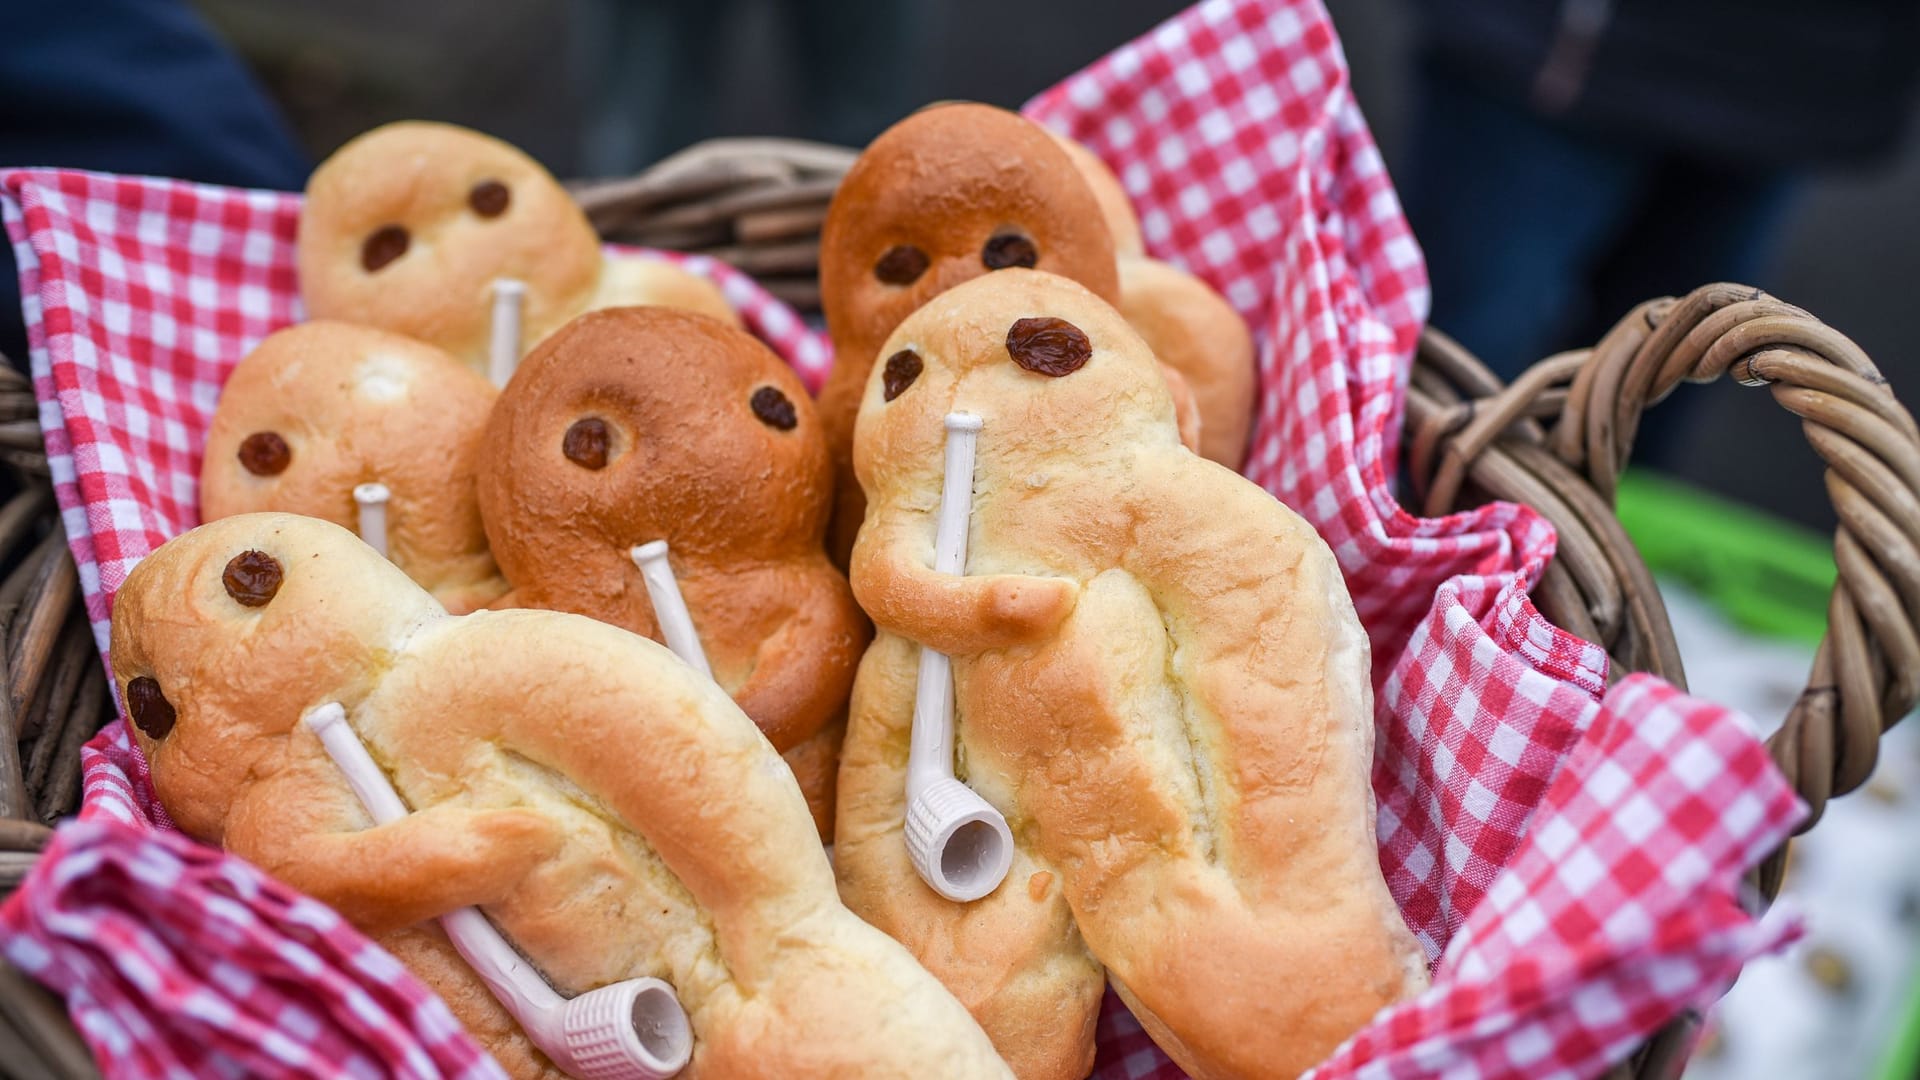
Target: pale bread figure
[(407, 227), (609, 809), (320, 408), (1160, 681)]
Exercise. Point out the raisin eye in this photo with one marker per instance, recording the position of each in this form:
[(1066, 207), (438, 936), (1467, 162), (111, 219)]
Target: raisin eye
[(149, 709), (901, 265), (387, 243), (489, 198), (265, 453), (252, 578), (1009, 249), (585, 443), (902, 368), (1048, 346), (773, 409)]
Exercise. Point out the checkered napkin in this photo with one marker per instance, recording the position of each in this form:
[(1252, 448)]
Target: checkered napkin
[(1568, 855)]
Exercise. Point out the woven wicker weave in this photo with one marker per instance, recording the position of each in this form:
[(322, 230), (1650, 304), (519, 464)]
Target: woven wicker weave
[(52, 699), (1556, 440), (755, 203)]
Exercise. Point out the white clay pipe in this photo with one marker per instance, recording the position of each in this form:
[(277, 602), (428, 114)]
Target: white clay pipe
[(670, 611), (960, 844), (503, 346), (372, 500), (669, 607), (630, 1030)]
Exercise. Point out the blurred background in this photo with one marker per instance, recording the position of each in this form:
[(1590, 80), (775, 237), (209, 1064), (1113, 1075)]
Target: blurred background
[(604, 87), (1560, 161)]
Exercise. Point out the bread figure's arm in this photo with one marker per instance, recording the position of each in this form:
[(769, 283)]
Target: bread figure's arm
[(1186, 406), (388, 876), (803, 673), (954, 614)]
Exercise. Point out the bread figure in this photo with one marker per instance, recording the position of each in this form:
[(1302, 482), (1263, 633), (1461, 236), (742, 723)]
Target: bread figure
[(632, 425), (1115, 206), (319, 408), (948, 194), (408, 226), (610, 810), (1194, 331), (1159, 680), (1189, 327)]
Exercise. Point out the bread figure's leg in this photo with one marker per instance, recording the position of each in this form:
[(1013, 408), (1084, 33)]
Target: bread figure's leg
[(1014, 958), (816, 764), (1251, 956), (804, 669)]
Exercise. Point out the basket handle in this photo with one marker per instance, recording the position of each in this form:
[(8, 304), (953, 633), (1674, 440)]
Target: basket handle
[(1575, 415)]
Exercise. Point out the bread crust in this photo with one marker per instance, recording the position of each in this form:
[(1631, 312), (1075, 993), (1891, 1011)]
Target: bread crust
[(610, 809), (637, 280), (1160, 680), (741, 501), (1115, 206), (355, 405), (1194, 331)]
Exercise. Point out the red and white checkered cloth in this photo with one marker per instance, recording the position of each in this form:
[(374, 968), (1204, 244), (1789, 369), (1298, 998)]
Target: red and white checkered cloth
[(1569, 856)]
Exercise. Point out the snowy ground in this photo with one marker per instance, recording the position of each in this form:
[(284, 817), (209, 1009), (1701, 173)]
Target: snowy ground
[(1827, 1009)]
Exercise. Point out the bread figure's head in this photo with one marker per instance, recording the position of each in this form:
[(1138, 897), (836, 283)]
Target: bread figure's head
[(408, 226), (632, 280), (1052, 369), (648, 423), (945, 196), (223, 636), (319, 408)]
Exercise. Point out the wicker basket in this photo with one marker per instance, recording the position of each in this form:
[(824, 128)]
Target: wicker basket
[(1556, 440)]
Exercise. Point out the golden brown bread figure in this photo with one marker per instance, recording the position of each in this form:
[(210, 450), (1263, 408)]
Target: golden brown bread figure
[(1115, 205), (407, 227), (638, 424), (1189, 327), (320, 407), (607, 807), (1160, 680)]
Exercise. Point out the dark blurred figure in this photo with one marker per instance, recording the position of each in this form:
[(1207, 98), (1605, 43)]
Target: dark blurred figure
[(1571, 159), (650, 71), (129, 86)]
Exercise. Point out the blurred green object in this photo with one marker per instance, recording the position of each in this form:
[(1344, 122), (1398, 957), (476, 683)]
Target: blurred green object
[(1769, 576), (1903, 1056)]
